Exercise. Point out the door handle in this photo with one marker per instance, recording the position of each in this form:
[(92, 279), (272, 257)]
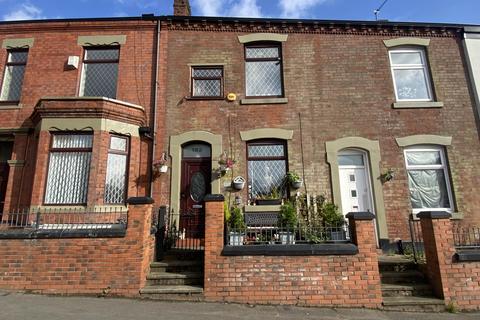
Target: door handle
[(182, 195)]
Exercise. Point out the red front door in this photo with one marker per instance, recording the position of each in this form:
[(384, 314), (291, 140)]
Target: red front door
[(196, 179), (5, 154)]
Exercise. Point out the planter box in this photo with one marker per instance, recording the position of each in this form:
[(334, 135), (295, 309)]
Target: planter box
[(268, 202), (338, 236)]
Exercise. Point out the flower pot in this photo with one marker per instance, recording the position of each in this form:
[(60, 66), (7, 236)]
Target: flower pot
[(286, 237), (268, 202), (338, 235), (238, 185), (297, 184), (163, 169), (235, 239)]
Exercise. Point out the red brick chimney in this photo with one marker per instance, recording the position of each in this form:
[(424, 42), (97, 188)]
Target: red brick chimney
[(181, 8)]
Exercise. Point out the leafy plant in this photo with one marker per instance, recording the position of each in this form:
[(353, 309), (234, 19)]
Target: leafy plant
[(292, 177), (236, 221), (226, 211), (287, 216), (331, 215), (274, 194)]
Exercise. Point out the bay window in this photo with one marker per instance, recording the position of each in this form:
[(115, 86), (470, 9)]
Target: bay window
[(115, 181), (69, 169)]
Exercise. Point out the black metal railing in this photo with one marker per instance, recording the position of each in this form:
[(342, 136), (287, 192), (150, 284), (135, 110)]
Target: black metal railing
[(298, 234), (466, 237), (64, 218), (416, 247), (181, 231)]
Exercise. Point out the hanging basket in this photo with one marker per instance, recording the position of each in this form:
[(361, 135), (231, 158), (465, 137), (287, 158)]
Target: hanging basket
[(238, 183)]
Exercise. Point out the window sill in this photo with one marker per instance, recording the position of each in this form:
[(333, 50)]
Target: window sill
[(264, 101), (10, 106), (204, 98), (262, 208), (417, 104)]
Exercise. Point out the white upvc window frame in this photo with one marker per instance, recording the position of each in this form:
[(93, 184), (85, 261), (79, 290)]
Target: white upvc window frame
[(423, 66), (443, 166)]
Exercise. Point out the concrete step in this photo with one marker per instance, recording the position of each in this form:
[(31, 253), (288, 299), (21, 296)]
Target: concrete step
[(413, 304), (177, 266), (403, 277), (173, 293), (406, 290), (396, 263), (170, 278)]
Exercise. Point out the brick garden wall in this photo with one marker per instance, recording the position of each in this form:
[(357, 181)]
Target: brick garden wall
[(116, 266), (299, 280), (457, 282)]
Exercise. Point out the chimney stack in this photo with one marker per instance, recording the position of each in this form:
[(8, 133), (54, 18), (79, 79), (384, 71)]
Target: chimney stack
[(181, 8)]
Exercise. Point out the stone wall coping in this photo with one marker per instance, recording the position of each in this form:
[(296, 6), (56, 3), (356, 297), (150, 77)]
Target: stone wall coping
[(140, 200), (116, 231), (322, 249), (360, 215), (214, 198), (434, 215)]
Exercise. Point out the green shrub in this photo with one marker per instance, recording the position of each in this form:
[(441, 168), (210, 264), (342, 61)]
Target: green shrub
[(236, 219), (331, 215), (287, 216)]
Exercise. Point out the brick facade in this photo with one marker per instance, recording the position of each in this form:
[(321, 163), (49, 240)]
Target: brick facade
[(297, 280), (338, 82), (111, 266)]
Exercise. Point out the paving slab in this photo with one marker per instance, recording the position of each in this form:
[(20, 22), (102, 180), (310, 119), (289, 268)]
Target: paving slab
[(20, 306)]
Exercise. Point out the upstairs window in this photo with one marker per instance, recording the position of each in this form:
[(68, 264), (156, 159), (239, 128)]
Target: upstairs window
[(267, 167), (428, 179), (411, 78), (115, 181), (100, 72), (13, 77), (207, 82), (69, 169), (263, 68)]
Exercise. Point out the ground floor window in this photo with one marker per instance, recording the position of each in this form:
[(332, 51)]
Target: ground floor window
[(115, 181), (428, 179), (69, 168), (267, 167)]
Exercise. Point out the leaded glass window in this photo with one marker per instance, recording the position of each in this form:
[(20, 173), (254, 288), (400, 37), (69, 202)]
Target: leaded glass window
[(263, 68), (69, 169), (115, 181), (267, 167), (207, 82), (428, 179), (100, 72), (14, 74), (410, 75)]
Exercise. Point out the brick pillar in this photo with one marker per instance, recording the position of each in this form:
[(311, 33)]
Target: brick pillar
[(362, 233), (139, 232), (214, 229), (439, 249)]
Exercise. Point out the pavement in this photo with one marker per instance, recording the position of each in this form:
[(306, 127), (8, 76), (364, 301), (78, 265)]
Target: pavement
[(20, 306)]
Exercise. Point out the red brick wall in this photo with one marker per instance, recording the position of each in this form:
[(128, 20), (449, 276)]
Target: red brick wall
[(457, 282), (341, 86), (300, 280), (83, 265)]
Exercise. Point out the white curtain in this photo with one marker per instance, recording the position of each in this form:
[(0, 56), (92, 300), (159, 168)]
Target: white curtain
[(428, 189)]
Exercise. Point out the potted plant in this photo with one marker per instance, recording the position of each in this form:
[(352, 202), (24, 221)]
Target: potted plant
[(236, 226), (294, 180), (225, 164), (333, 221), (159, 167), (272, 198), (287, 221)]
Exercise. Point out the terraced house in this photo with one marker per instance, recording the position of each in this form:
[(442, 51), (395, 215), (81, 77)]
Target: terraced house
[(370, 127)]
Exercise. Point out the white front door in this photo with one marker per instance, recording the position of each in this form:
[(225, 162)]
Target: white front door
[(354, 182)]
